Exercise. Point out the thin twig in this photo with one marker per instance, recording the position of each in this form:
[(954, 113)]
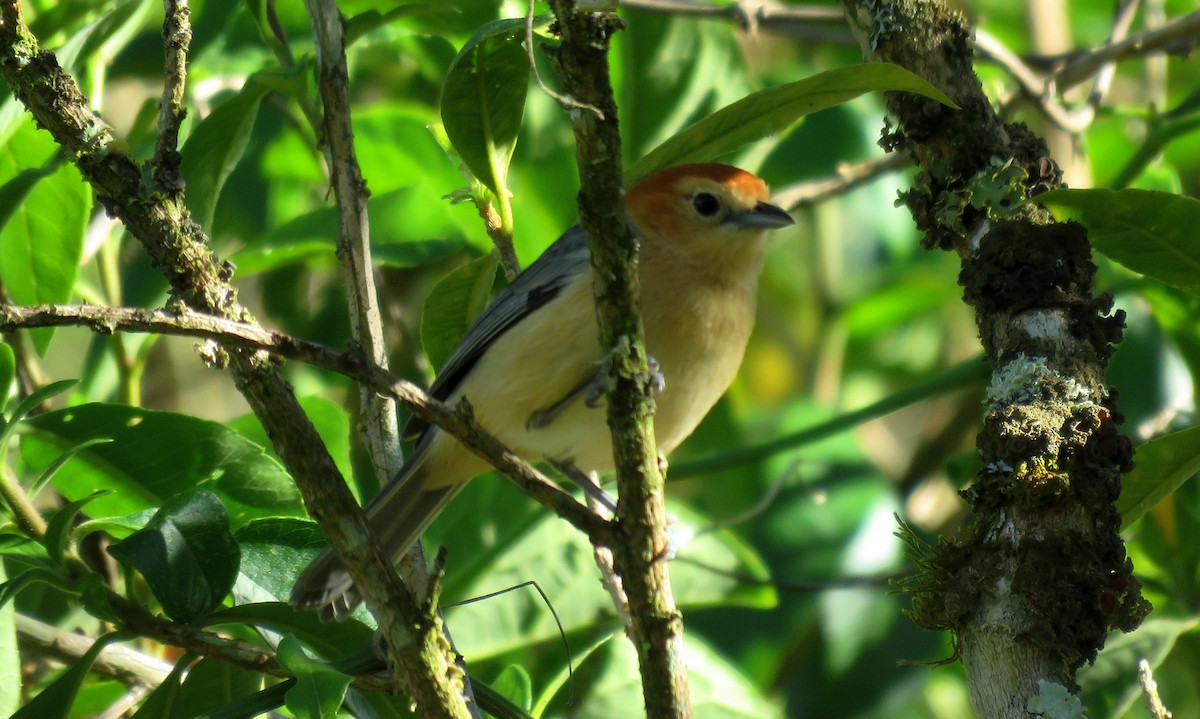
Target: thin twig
[(177, 36), (130, 667), (350, 364), (1158, 710), (566, 101), (803, 195)]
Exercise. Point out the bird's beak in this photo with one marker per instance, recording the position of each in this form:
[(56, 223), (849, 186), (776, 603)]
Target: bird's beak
[(764, 216)]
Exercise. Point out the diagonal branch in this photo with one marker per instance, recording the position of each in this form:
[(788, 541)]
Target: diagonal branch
[(230, 333)]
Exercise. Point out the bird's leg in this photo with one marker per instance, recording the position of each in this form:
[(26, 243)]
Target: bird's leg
[(590, 386), (588, 483)]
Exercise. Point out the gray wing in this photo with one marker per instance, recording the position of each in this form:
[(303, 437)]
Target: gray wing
[(541, 282)]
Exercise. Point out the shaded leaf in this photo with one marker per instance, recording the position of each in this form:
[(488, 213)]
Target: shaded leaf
[(773, 110), (1147, 231), (163, 702), (1162, 465), (319, 688), (453, 304), (8, 373), (216, 146), (186, 553), (10, 658), (331, 640)]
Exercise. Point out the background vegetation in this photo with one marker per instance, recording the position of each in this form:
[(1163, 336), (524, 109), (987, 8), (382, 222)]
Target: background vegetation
[(784, 558)]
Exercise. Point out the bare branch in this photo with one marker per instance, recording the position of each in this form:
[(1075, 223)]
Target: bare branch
[(803, 195), (130, 667), (177, 36)]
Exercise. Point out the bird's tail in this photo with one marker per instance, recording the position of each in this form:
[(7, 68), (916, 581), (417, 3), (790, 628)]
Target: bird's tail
[(398, 515)]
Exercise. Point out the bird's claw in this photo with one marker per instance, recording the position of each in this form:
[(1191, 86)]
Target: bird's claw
[(658, 382)]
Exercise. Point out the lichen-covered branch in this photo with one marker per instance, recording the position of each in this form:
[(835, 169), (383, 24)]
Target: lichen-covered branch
[(1039, 575), (638, 556), (178, 248)]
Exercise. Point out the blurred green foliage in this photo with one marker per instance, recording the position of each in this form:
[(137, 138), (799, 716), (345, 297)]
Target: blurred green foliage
[(782, 564)]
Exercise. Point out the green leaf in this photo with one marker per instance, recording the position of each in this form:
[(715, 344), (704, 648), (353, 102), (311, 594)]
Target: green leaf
[(373, 19), (163, 702), (58, 529), (42, 240), (319, 688), (498, 539), (483, 100), (56, 700), (330, 419), (8, 373), (10, 658), (607, 684), (212, 684), (49, 472), (1162, 465), (1112, 679), (453, 304), (1149, 232), (36, 397), (515, 684), (274, 550), (155, 456), (216, 146), (313, 236), (775, 109), (38, 575), (186, 553)]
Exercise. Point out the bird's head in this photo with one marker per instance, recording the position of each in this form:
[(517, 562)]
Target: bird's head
[(714, 212)]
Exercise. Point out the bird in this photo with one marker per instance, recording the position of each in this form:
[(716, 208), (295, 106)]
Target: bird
[(531, 365)]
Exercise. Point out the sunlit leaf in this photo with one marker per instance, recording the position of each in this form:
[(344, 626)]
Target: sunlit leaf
[(1147, 231), (453, 304), (1161, 465), (775, 109)]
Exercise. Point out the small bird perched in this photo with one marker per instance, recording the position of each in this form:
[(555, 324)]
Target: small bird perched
[(531, 364)]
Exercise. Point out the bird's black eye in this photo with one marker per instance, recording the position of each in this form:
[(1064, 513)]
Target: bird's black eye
[(705, 204)]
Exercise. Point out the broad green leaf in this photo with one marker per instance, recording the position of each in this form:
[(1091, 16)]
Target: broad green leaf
[(1149, 232), (48, 474), (319, 688), (775, 109), (186, 553), (216, 146), (453, 304), (373, 19), (1161, 465), (163, 702), (483, 100), (498, 541), (42, 240), (155, 456), (212, 684), (313, 236), (274, 550), (331, 420), (36, 397), (607, 684), (54, 702), (10, 658), (1111, 682), (515, 684), (8, 373)]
